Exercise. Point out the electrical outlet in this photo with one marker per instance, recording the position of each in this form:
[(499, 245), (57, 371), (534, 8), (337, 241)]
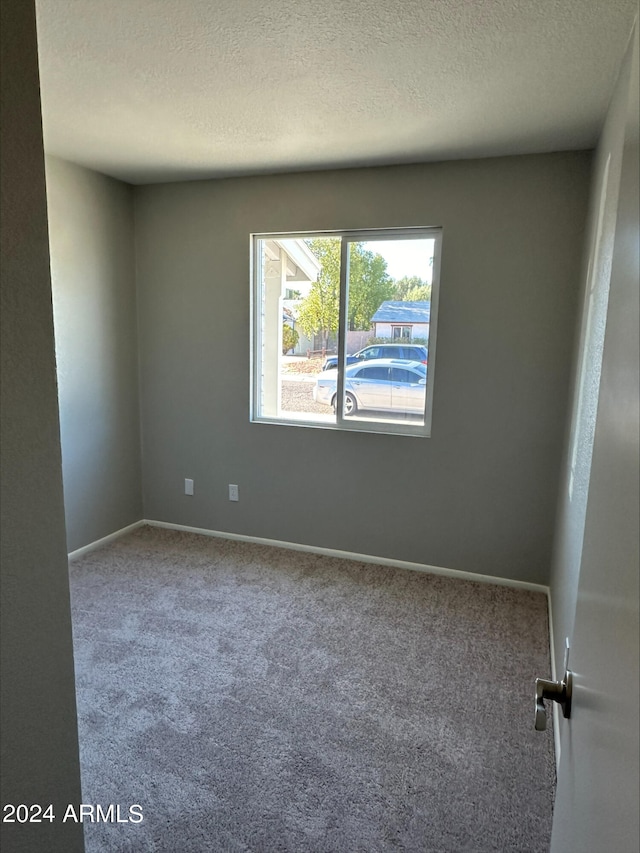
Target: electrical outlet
[(188, 487), (233, 493)]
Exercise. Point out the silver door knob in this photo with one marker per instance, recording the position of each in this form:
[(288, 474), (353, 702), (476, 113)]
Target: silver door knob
[(556, 691)]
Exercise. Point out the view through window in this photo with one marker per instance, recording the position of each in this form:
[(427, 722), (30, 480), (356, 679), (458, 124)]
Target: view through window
[(344, 329)]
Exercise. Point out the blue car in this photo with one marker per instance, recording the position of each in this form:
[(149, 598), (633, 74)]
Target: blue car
[(407, 352)]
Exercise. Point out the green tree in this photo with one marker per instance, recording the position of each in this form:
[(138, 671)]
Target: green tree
[(369, 286), (412, 289), (319, 311), (290, 338)]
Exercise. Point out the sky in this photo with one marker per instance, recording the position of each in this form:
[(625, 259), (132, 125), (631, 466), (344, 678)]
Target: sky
[(405, 257)]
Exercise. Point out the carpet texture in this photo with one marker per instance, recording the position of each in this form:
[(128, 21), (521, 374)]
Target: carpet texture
[(258, 699)]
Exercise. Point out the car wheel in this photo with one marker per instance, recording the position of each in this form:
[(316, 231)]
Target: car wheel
[(350, 405)]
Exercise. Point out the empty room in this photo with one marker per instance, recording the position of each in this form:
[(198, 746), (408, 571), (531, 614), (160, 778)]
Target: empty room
[(320, 426)]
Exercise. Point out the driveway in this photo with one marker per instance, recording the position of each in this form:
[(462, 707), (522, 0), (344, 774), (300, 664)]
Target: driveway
[(297, 397)]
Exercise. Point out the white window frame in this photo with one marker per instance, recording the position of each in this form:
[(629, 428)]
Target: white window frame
[(347, 236)]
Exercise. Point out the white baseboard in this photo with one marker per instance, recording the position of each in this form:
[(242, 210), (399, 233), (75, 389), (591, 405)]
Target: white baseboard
[(350, 555), (104, 541)]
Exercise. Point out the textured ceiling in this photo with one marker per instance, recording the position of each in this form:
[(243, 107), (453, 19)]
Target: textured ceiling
[(155, 90)]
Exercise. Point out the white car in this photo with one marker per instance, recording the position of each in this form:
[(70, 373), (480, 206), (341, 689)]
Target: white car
[(384, 384)]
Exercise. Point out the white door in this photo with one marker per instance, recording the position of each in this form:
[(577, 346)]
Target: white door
[(598, 793)]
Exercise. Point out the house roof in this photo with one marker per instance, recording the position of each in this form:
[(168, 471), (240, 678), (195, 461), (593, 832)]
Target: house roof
[(301, 265), (403, 312)]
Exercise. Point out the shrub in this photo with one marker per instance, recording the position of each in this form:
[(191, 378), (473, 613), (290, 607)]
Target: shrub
[(290, 338), (423, 341)]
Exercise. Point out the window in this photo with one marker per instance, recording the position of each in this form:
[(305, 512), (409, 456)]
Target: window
[(401, 333), (405, 376), (375, 374), (375, 352), (328, 312)]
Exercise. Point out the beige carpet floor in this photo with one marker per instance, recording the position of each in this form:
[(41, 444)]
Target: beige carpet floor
[(251, 698)]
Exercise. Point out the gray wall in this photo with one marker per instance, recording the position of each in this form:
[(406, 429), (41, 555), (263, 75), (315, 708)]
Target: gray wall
[(480, 494), (38, 725), (595, 290), (95, 317)]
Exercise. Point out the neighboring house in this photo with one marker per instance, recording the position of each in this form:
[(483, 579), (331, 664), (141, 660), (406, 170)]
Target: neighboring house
[(407, 320), (289, 266)]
